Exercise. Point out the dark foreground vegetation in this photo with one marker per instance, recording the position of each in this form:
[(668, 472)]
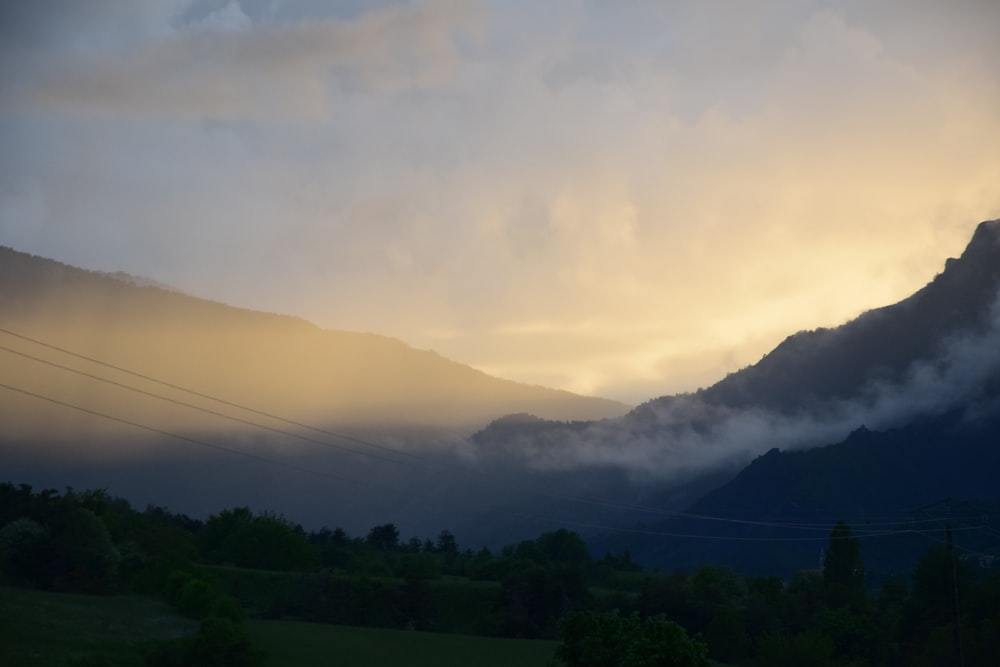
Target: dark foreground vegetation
[(257, 587)]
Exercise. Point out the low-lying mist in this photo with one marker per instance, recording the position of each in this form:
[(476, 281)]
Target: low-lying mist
[(672, 437)]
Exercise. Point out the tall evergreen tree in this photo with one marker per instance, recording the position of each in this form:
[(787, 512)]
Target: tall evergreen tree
[(843, 567)]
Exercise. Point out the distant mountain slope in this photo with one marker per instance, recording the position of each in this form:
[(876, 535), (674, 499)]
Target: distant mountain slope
[(923, 356), (896, 488), (271, 362), (880, 345)]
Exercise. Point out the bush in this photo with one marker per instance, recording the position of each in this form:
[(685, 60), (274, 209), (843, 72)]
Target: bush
[(219, 641), (85, 557), (592, 639), (23, 547)]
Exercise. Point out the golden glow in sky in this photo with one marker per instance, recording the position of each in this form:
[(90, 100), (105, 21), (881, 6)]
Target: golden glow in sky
[(623, 199)]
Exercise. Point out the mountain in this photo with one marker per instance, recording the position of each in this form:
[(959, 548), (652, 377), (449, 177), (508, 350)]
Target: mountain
[(881, 346), (893, 410), (924, 355), (330, 427), (273, 363), (898, 489), (919, 384), (778, 444)]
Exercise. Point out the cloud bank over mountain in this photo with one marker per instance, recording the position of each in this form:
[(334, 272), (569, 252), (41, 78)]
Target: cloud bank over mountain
[(624, 200), (686, 434), (673, 436)]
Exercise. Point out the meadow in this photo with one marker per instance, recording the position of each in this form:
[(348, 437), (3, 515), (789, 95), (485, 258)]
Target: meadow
[(43, 629), (297, 644)]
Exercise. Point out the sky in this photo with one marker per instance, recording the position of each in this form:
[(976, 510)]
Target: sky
[(626, 199)]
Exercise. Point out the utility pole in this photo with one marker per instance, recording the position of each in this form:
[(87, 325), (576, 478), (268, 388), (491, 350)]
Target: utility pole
[(955, 621), (956, 629)]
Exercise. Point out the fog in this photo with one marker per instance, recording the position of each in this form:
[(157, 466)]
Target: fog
[(672, 438)]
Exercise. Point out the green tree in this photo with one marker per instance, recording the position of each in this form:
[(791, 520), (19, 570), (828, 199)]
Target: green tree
[(24, 546), (727, 636), (802, 650), (266, 541), (591, 639), (564, 547), (446, 543), (854, 636), (843, 568), (926, 625), (219, 641), (219, 527), (270, 542), (384, 537), (84, 556)]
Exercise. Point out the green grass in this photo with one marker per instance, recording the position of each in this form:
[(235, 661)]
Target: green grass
[(295, 644), (52, 629)]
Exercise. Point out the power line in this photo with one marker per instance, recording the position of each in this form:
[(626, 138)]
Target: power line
[(185, 438), (203, 409), (199, 394), (824, 526), (722, 538), (310, 471), (884, 529)]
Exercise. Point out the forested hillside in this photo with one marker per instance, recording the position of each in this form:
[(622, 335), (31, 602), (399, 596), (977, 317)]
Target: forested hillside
[(238, 564)]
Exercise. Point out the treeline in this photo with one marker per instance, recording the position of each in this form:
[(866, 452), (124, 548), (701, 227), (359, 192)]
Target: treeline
[(239, 563)]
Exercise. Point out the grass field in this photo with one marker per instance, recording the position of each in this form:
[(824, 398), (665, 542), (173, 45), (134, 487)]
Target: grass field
[(293, 644), (52, 629), (42, 629)]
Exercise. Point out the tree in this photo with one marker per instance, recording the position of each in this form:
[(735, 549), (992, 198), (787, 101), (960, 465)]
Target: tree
[(446, 543), (843, 568), (84, 556), (384, 537), (802, 650), (270, 542), (24, 545), (563, 546), (727, 635), (265, 541), (591, 639)]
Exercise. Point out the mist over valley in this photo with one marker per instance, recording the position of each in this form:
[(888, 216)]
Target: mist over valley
[(169, 399)]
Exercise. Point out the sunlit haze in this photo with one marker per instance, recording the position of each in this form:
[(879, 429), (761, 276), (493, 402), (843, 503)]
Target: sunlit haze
[(624, 199)]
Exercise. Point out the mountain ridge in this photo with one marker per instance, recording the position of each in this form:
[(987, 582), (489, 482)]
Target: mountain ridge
[(928, 364), (813, 388), (296, 367)]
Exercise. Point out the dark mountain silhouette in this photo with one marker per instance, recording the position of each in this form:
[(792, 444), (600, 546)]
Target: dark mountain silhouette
[(927, 368), (924, 355), (898, 489), (922, 376), (911, 392), (812, 367)]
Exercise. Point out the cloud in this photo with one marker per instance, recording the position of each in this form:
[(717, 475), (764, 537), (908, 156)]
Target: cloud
[(675, 187), (222, 66), (684, 434)]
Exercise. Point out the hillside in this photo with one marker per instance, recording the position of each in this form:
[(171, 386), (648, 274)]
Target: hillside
[(884, 414), (274, 363), (896, 488), (811, 367), (927, 354)]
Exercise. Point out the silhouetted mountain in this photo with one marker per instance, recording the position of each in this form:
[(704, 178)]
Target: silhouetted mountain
[(897, 489), (881, 345), (930, 353), (384, 396), (923, 375)]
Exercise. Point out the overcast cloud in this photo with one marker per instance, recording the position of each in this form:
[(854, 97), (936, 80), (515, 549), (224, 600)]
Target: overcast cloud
[(627, 199)]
